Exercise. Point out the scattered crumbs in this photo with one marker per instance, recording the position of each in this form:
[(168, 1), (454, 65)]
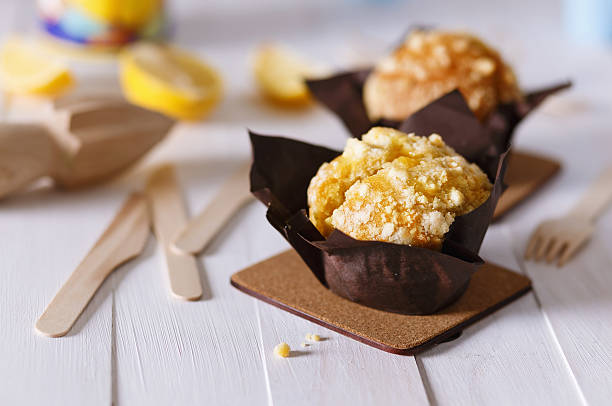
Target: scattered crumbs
[(315, 337), (282, 350), (309, 337), (304, 345)]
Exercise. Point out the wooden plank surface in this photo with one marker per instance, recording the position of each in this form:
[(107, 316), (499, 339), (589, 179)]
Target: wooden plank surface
[(175, 352), (75, 369), (509, 358), (40, 245), (334, 371), (576, 298)]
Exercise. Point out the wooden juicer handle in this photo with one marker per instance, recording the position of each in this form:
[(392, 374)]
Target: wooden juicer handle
[(27, 153)]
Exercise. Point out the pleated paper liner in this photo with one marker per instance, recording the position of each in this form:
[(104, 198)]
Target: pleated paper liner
[(286, 282)]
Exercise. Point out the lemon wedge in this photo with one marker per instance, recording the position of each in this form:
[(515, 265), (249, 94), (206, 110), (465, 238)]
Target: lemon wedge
[(280, 74), (168, 80), (27, 67)]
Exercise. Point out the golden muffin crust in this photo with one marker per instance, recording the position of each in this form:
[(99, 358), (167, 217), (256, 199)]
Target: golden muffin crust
[(430, 64), (395, 187)]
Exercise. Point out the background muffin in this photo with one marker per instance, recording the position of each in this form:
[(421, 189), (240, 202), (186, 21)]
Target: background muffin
[(430, 64), (395, 187)]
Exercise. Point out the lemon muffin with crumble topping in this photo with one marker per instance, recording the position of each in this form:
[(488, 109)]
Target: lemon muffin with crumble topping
[(395, 187)]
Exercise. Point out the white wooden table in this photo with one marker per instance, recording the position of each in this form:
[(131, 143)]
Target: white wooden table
[(136, 345)]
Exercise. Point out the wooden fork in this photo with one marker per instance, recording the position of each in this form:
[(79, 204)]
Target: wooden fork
[(561, 238)]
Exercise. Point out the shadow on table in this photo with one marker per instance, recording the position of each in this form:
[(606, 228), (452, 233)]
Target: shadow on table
[(298, 353)]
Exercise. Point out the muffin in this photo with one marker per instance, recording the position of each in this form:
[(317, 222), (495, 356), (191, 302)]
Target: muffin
[(291, 177), (395, 187), (432, 63)]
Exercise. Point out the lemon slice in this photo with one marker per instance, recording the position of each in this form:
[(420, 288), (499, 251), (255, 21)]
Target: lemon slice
[(281, 74), (27, 67), (168, 80)]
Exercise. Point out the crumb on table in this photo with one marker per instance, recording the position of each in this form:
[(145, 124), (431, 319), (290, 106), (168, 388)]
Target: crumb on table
[(282, 350), (313, 337)]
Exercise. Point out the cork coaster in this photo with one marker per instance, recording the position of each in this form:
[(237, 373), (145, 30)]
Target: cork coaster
[(526, 173), (285, 281)]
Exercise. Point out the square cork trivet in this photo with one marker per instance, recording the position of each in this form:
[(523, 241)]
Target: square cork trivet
[(286, 282), (526, 173)]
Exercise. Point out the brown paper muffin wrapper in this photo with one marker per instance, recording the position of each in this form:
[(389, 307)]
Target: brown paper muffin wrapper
[(386, 276), (343, 94)]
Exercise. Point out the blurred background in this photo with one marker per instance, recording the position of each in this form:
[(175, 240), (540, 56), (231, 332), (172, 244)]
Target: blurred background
[(354, 31), (341, 33), (218, 74)]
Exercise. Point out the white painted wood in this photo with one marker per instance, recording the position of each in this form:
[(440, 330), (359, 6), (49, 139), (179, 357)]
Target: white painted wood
[(577, 299), (334, 371), (41, 242), (509, 358), (40, 245), (172, 352)]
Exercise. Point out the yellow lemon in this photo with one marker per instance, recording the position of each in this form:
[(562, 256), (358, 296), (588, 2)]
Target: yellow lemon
[(127, 13), (27, 67), (171, 81), (280, 74)]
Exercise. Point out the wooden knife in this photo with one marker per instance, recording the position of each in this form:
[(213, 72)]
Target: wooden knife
[(123, 240)]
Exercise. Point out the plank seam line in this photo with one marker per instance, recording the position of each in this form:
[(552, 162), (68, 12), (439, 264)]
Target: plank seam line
[(113, 355), (262, 353), (425, 382), (519, 260)]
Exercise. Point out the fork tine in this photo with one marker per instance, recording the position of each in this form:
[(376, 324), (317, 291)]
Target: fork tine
[(556, 248), (544, 247), (572, 248), (532, 245)]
